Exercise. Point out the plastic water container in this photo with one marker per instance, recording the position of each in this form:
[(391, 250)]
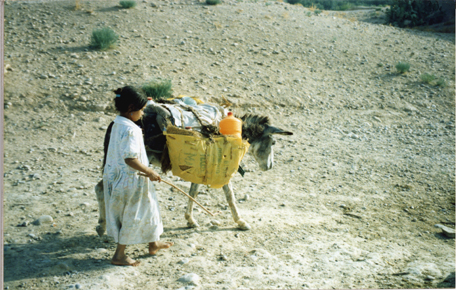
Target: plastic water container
[(150, 101), (231, 125)]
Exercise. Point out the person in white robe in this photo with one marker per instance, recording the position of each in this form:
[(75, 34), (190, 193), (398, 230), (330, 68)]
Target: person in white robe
[(132, 211)]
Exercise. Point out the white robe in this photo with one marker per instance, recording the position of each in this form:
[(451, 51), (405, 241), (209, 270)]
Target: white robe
[(132, 212)]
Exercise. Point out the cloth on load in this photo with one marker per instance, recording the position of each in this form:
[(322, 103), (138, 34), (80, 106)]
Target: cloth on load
[(210, 161), (187, 99), (184, 114)]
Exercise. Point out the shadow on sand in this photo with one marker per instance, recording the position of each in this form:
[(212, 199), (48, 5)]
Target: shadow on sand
[(70, 49), (54, 254), (449, 282), (110, 9)]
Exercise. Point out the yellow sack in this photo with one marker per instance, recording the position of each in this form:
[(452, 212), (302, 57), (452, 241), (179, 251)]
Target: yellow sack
[(202, 160)]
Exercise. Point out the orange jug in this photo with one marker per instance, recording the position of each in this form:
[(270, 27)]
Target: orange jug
[(231, 125)]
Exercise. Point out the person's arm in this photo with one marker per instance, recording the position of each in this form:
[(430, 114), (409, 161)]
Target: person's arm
[(144, 170)]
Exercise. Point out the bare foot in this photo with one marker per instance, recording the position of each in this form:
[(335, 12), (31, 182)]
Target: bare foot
[(156, 246), (126, 261)]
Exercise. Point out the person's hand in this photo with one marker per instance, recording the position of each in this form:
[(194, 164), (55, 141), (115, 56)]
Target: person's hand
[(151, 174)]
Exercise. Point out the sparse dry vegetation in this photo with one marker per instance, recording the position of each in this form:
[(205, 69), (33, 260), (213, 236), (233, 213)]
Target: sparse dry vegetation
[(77, 5), (354, 194)]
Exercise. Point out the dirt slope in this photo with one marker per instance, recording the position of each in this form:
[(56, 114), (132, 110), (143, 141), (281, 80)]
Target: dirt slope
[(355, 193)]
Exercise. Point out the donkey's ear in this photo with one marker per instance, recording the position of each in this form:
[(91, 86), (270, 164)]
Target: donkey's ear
[(273, 130)]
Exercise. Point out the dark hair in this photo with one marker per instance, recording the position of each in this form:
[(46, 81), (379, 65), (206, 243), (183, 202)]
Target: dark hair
[(129, 96)]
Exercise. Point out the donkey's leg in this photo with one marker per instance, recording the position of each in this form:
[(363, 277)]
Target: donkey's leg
[(101, 228), (191, 223), (228, 189)]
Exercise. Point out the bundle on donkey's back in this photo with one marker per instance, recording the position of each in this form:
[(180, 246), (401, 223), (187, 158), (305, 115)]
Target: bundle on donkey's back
[(257, 130)]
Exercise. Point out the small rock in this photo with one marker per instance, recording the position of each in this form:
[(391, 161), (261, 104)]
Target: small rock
[(44, 219), (187, 287), (183, 261), (8, 68), (448, 232), (190, 278), (409, 108), (26, 168), (215, 222), (24, 224)]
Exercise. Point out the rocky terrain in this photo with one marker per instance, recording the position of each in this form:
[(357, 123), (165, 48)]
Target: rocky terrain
[(355, 194)]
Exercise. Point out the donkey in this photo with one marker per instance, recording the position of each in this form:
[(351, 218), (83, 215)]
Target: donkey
[(257, 130)]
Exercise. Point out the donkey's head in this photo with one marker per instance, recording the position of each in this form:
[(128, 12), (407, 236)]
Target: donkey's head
[(259, 133)]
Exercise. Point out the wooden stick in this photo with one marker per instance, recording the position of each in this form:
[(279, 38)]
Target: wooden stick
[(169, 183)]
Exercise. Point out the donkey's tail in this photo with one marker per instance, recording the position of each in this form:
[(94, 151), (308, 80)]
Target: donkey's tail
[(106, 143)]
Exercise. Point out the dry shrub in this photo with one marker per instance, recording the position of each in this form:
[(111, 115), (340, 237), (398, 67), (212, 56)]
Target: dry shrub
[(158, 89), (343, 15), (218, 25), (128, 4), (285, 15), (103, 38), (77, 5), (339, 15), (268, 17)]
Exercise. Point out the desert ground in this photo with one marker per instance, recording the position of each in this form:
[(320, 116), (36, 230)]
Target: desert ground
[(353, 201)]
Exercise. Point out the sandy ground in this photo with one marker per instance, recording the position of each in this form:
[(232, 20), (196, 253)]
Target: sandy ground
[(354, 196)]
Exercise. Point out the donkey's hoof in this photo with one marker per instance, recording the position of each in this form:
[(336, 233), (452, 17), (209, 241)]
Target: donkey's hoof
[(192, 224), (243, 225), (100, 230)]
